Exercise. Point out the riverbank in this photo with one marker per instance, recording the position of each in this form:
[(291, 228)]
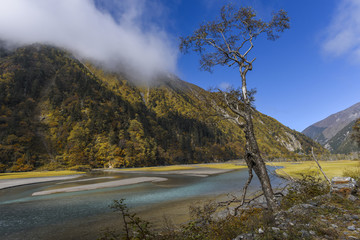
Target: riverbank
[(38, 174), (8, 180), (83, 214), (110, 184), (287, 170), (298, 169), (9, 183)]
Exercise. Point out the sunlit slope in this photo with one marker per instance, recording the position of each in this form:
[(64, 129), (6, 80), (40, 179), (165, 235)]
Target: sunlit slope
[(58, 112)]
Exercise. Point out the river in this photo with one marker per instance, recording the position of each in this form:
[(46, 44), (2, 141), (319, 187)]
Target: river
[(84, 214)]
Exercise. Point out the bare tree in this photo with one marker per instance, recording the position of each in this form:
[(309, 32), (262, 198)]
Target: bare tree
[(228, 42)]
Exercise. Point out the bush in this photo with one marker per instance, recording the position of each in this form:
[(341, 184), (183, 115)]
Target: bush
[(134, 227), (81, 168), (2, 168), (303, 190), (354, 173)]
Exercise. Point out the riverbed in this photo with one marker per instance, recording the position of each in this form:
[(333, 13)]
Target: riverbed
[(78, 208)]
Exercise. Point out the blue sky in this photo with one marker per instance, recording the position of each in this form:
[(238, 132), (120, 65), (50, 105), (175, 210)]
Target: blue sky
[(312, 71), (299, 81)]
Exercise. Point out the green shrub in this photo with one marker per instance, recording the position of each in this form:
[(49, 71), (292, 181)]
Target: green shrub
[(80, 168)]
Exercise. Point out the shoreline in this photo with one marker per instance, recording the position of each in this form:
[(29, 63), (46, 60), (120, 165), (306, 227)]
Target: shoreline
[(197, 172), (10, 183), (110, 184), (194, 170)]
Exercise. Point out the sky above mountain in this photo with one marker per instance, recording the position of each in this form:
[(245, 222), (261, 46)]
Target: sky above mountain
[(310, 72)]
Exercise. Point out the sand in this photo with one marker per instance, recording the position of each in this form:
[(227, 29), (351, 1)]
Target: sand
[(8, 183), (86, 180), (109, 184), (201, 172)]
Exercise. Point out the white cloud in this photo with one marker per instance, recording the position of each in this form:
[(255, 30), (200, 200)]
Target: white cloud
[(224, 86), (343, 33), (92, 33)]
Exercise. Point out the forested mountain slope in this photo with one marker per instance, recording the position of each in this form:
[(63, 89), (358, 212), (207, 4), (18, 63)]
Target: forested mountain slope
[(57, 112)]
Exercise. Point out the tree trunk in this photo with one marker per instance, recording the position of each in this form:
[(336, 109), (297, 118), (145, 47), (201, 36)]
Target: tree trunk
[(254, 160)]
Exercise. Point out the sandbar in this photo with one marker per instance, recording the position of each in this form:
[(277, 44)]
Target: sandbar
[(86, 180), (109, 184), (8, 183), (199, 172)]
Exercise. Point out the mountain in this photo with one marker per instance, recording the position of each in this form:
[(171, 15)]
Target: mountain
[(334, 132), (57, 112)]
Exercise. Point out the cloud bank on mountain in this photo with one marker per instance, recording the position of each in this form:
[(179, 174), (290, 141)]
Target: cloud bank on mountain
[(117, 35)]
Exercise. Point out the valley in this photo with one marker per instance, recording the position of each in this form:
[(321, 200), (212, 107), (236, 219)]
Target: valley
[(35, 216), (109, 131)]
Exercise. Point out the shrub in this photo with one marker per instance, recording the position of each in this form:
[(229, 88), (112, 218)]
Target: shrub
[(354, 173), (303, 190), (134, 227), (80, 168)]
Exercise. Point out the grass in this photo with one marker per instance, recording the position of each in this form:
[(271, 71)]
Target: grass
[(222, 166), (161, 168), (331, 168), (37, 174), (188, 167)]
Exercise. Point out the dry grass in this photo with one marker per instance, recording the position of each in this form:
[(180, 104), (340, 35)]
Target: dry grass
[(187, 167), (222, 166), (161, 168), (331, 168), (37, 174)]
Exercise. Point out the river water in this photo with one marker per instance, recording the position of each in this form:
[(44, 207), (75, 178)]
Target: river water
[(83, 214)]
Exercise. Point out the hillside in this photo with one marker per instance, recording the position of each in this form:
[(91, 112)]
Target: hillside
[(334, 132), (57, 112)]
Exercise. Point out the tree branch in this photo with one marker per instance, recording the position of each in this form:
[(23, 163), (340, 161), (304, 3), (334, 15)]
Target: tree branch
[(327, 179), (236, 110), (245, 190)]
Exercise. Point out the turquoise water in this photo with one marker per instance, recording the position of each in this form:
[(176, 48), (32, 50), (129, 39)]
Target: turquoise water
[(20, 213)]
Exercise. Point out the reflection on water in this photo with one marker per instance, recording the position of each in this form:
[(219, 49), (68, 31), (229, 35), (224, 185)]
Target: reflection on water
[(20, 212)]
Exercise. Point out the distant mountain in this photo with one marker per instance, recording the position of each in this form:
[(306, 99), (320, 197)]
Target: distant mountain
[(57, 112), (334, 131)]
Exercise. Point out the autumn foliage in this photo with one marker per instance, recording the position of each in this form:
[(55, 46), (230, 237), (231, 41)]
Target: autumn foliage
[(57, 112)]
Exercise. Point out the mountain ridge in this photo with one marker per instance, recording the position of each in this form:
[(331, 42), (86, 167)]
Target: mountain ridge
[(57, 112), (333, 132)]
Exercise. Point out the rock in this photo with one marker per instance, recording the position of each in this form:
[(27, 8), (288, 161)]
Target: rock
[(306, 206), (355, 217), (247, 236), (299, 209), (343, 186), (334, 225), (275, 229), (314, 203), (224, 213), (312, 233), (352, 198), (260, 231), (351, 228), (305, 234), (282, 226), (347, 217), (285, 235)]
